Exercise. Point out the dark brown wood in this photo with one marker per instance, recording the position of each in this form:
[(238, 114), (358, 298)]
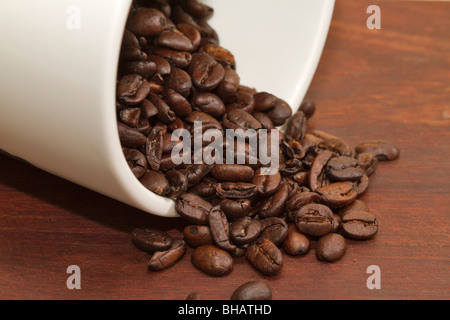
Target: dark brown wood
[(392, 83)]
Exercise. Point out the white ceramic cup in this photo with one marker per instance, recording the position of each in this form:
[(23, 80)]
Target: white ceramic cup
[(58, 65)]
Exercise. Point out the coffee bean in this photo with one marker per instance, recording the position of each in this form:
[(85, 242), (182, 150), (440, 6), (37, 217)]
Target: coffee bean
[(344, 169), (264, 101), (336, 222), (338, 194), (178, 103), (265, 257), (245, 230), (164, 259), (208, 122), (266, 185), (331, 247), (146, 22), (236, 190), (314, 219), (154, 146), (132, 54), (236, 208), (197, 235), (205, 188), (179, 81), (205, 71), (195, 173), (208, 103), (232, 173), (253, 290), (337, 146), (220, 232), (132, 89), (308, 108), (383, 150), (296, 243), (155, 182), (165, 114), (356, 205), (265, 121), (143, 68), (196, 9), (359, 225), (301, 199), (296, 127), (244, 100), (194, 296), (151, 240), (163, 66), (222, 55), (178, 183), (368, 162), (192, 34), (175, 40), (238, 119), (228, 88), (274, 206), (136, 161), (317, 174), (212, 260), (280, 113), (193, 208), (179, 59), (275, 229)]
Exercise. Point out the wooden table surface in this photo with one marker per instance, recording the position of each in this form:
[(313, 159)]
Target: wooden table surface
[(392, 83)]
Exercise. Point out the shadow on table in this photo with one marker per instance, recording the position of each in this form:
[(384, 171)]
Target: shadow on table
[(41, 186)]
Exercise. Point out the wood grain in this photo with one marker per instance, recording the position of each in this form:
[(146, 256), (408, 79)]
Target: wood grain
[(392, 83)]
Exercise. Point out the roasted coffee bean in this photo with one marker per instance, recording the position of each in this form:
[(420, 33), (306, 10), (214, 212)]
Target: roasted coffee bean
[(178, 184), (301, 178), (344, 169), (154, 147), (165, 114), (264, 101), (164, 259), (167, 164), (245, 230), (362, 185), (253, 290), (129, 39), (336, 222), (314, 219), (195, 8), (232, 173), (143, 68), (265, 121), (266, 185), (238, 119), (291, 167), (130, 116), (179, 81), (280, 113), (132, 89), (308, 108), (317, 173), (222, 55), (331, 247), (368, 162), (163, 66), (296, 244), (206, 188), (227, 90), (177, 124), (130, 137), (180, 16), (151, 240), (359, 225), (192, 34), (337, 146), (212, 260), (239, 252), (205, 71), (175, 40), (146, 22), (179, 59), (195, 173), (299, 200), (274, 206), (197, 235), (168, 144), (208, 122), (220, 232), (356, 205), (265, 257), (244, 100), (209, 103), (236, 208), (236, 190), (296, 127), (194, 296), (193, 208), (338, 194), (132, 54), (155, 182), (178, 103), (275, 229), (136, 161), (383, 150)]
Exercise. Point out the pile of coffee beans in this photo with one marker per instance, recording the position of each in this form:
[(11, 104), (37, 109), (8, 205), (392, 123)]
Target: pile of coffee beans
[(172, 74)]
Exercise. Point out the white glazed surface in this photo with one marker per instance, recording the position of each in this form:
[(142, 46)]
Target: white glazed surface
[(57, 86)]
